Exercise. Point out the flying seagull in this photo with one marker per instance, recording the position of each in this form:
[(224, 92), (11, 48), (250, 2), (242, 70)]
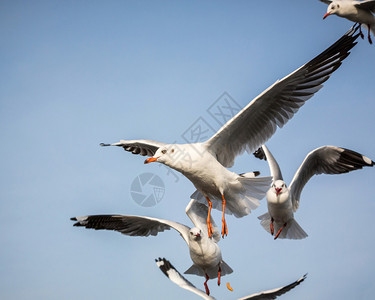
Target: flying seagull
[(205, 164), (204, 251), (357, 11), (170, 271), (282, 201)]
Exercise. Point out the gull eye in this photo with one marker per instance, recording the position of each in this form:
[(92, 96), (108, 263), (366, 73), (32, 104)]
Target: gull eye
[(172, 150), (164, 151), (338, 5)]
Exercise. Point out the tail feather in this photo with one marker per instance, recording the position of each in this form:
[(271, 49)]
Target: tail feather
[(292, 231), (242, 200)]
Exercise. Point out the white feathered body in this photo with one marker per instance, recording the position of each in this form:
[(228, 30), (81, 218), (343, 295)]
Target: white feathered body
[(206, 256), (280, 206), (212, 179)]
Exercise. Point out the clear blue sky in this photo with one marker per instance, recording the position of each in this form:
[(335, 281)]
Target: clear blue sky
[(77, 73)]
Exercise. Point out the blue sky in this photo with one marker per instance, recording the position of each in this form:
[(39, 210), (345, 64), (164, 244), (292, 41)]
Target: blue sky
[(77, 73)]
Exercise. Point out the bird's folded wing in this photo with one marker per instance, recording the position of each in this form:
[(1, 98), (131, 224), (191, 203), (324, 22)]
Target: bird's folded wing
[(167, 268), (141, 147), (258, 121), (131, 225), (325, 160), (198, 212), (366, 5), (264, 153), (273, 294)]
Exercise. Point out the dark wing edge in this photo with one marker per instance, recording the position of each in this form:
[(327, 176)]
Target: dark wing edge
[(258, 121), (140, 147), (128, 225), (273, 294), (326, 160), (171, 272), (366, 5)]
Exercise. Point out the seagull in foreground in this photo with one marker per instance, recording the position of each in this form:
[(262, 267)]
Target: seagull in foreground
[(205, 164), (357, 11), (167, 268), (282, 201), (204, 251)]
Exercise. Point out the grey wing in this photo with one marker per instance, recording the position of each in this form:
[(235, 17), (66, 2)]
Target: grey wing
[(131, 225), (326, 1), (197, 213), (325, 160), (273, 294), (258, 121), (141, 147), (366, 5), (170, 271), (264, 153)]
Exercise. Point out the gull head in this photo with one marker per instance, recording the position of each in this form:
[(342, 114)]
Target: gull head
[(195, 234), (165, 155), (279, 187), (333, 8)]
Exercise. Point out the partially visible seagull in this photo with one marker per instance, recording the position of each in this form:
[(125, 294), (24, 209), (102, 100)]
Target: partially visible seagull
[(204, 251), (282, 201), (170, 271), (357, 11), (205, 164)]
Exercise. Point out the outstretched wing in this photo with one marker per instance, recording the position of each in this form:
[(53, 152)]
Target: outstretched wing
[(198, 212), (141, 147), (366, 5), (264, 153), (325, 160), (131, 225), (170, 271), (273, 108), (273, 294)]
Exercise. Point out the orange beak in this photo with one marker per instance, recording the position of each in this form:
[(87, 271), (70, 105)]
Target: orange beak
[(326, 15), (151, 159)]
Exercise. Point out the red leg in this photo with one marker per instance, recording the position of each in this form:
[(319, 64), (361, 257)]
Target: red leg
[(209, 224), (278, 233), (219, 276), (206, 286), (271, 226), (224, 228), (369, 37)]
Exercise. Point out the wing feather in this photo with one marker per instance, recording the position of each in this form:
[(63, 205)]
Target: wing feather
[(325, 160), (141, 147), (131, 225), (273, 294), (366, 5), (258, 121)]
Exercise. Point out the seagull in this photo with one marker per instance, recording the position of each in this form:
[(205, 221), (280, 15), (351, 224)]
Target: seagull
[(205, 164), (357, 11), (204, 251), (170, 271), (282, 201)]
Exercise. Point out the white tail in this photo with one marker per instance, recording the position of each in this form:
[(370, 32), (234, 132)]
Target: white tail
[(292, 230), (242, 200)]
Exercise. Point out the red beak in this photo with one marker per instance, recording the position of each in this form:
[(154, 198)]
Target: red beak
[(197, 235), (326, 15), (278, 191), (151, 159)]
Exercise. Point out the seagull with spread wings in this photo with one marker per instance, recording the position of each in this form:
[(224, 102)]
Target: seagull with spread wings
[(204, 251), (361, 12), (205, 164), (282, 201), (170, 271)]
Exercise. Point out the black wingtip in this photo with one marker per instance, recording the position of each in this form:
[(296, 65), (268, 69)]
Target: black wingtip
[(260, 154), (73, 219), (104, 145)]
